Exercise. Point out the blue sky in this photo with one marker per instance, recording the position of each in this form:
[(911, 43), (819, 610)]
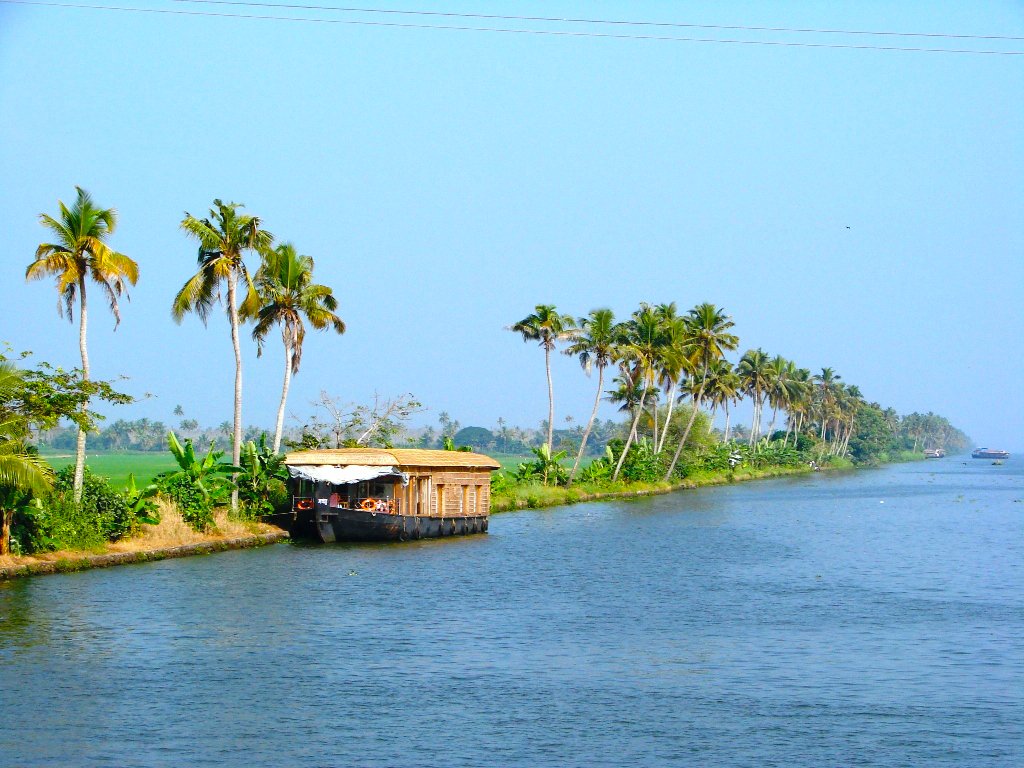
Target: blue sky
[(849, 208)]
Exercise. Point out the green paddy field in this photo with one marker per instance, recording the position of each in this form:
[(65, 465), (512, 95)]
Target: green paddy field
[(146, 465), (117, 466)]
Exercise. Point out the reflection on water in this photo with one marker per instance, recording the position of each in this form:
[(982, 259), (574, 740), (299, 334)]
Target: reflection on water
[(872, 618)]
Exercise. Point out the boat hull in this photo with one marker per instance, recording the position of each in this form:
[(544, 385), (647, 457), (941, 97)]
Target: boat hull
[(356, 525)]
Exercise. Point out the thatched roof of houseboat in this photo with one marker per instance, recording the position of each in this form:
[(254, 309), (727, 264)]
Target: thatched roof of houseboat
[(397, 457)]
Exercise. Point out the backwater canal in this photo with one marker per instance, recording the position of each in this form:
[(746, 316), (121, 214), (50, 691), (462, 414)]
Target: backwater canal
[(867, 618)]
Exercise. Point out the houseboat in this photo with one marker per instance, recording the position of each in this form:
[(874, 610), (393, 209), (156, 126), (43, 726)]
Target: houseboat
[(934, 453), (990, 453), (393, 494)]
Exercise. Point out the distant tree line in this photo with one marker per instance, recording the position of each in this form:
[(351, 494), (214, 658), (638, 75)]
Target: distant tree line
[(664, 360)]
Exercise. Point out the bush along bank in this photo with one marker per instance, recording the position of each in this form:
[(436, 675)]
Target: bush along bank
[(544, 482)]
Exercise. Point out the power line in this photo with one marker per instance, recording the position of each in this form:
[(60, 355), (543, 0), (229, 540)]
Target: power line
[(504, 30), (622, 22)]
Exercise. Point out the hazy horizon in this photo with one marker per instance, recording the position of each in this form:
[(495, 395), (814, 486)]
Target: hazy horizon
[(856, 209)]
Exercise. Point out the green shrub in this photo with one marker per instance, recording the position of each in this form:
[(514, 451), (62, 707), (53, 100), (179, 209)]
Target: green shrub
[(643, 464), (101, 502), (500, 483), (53, 523), (196, 507)]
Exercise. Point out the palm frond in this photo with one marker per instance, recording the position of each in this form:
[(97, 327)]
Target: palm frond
[(64, 233), (197, 295), (203, 231), (23, 471), (250, 305)]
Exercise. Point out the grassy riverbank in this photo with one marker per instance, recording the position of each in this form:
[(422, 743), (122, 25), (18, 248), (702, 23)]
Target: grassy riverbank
[(536, 496), (171, 537)]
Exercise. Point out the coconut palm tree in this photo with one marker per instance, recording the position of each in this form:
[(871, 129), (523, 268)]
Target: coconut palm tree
[(783, 387), (287, 295), (547, 327), (709, 337), (850, 401), (827, 385), (642, 343), (21, 472), (626, 394), (596, 346), (722, 388), (676, 361), (224, 238), (78, 254), (754, 381), (799, 403)]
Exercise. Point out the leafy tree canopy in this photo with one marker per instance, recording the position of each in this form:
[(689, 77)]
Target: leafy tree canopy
[(48, 394), (477, 437)]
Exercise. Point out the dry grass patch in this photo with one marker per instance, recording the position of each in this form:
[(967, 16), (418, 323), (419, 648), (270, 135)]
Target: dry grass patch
[(173, 531)]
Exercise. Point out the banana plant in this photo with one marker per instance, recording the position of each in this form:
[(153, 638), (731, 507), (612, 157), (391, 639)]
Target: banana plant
[(549, 465), (206, 474), (262, 474), (141, 501)]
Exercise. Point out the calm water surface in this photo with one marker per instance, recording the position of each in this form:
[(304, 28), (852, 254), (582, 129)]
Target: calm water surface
[(872, 618)]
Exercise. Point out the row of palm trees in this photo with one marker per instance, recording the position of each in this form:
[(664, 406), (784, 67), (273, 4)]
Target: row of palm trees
[(279, 293), (660, 353)]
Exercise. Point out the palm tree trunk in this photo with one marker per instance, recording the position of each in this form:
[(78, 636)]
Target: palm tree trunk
[(727, 425), (654, 412), (755, 419), (279, 428), (551, 398), (668, 418), (771, 427), (83, 318), (629, 438), (236, 436), (6, 516), (590, 424)]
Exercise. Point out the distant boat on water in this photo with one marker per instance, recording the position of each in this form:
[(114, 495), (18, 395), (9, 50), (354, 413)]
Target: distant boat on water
[(934, 453), (990, 453)]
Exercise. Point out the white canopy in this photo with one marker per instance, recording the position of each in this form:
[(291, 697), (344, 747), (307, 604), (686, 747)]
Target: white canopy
[(351, 473)]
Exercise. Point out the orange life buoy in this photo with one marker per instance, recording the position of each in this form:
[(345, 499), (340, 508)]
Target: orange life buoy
[(304, 504), (368, 505)]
